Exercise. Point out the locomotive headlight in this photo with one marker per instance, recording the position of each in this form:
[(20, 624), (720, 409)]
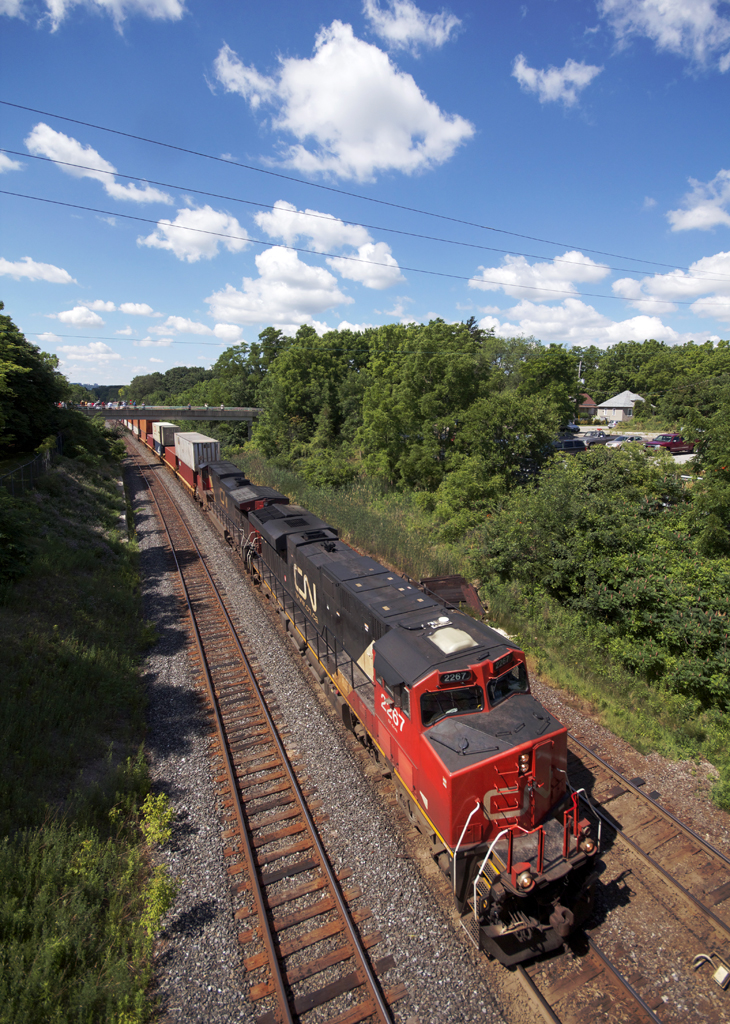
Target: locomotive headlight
[(525, 880), (587, 845), (524, 763)]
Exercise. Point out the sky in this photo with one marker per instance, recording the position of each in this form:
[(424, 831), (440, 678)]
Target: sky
[(177, 175)]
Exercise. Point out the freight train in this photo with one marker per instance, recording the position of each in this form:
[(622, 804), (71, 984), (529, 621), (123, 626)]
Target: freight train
[(441, 701)]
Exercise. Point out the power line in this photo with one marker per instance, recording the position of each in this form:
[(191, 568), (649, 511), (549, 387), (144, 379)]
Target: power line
[(331, 188), (328, 218), (571, 293)]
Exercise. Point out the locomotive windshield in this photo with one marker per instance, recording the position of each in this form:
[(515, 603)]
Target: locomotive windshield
[(514, 681), (450, 702)]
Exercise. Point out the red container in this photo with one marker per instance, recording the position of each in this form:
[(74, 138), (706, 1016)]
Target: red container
[(150, 441), (188, 475), (170, 456)]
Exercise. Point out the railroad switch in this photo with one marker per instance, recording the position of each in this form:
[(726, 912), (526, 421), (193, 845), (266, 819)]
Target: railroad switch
[(722, 968)]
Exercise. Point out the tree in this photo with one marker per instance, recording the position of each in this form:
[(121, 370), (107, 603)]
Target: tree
[(30, 388)]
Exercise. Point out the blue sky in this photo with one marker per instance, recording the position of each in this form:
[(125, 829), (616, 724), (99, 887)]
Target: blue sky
[(568, 160)]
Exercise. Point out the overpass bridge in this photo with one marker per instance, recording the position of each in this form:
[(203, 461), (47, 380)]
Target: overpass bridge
[(201, 413)]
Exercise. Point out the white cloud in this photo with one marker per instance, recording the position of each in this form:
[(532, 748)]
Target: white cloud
[(196, 234), (153, 360), (44, 141), (575, 323), (707, 281), (153, 342), (48, 338), (690, 28), (137, 309), (322, 231), (79, 316), (227, 332), (705, 206), (118, 10), (555, 84), (403, 26), (26, 267), (521, 279), (360, 112), (181, 325), (95, 350), (99, 305), (287, 292), (345, 325), (378, 270), (6, 164)]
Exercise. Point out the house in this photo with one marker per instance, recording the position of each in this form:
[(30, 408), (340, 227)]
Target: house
[(620, 407), (587, 407)]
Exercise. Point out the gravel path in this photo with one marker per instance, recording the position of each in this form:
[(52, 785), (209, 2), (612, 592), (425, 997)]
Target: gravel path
[(200, 972)]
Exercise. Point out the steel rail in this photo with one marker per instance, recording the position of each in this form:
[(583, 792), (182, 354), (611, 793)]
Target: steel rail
[(662, 810), (257, 892), (677, 885), (535, 994), (624, 982), (371, 983)]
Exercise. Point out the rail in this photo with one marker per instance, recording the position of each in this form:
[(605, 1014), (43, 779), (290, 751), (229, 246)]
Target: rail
[(288, 1007)]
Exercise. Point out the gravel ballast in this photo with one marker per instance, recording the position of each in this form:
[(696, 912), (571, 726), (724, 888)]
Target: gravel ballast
[(200, 972)]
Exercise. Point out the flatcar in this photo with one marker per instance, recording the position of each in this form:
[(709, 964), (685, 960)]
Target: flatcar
[(443, 703)]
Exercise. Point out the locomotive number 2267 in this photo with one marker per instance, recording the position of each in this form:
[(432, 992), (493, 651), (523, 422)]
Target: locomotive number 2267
[(393, 713)]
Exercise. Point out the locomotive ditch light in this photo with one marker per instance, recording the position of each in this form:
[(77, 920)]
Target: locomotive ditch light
[(587, 845), (524, 764), (525, 881)]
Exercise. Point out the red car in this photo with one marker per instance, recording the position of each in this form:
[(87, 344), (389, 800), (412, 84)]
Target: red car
[(674, 443)]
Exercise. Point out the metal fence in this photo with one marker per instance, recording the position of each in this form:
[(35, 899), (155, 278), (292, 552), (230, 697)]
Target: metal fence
[(19, 480)]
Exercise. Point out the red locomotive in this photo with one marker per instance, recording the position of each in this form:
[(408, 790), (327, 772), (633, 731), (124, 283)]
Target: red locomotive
[(443, 702)]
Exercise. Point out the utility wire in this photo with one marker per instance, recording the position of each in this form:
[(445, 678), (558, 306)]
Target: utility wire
[(331, 188), (573, 293), (328, 218)]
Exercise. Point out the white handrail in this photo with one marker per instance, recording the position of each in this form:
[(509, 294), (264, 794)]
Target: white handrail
[(489, 854), (463, 832)]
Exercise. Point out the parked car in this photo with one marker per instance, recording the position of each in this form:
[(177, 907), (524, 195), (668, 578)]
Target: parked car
[(571, 446), (673, 443), (570, 428), (597, 437), (617, 442)]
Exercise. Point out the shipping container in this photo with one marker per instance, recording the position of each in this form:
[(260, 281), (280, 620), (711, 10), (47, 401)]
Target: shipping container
[(171, 457), (165, 432), (196, 450), (150, 441), (159, 447), (187, 474)]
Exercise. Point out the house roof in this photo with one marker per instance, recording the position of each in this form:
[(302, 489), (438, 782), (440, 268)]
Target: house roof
[(623, 401), (587, 401)]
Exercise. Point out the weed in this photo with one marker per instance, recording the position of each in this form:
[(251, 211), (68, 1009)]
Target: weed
[(156, 822)]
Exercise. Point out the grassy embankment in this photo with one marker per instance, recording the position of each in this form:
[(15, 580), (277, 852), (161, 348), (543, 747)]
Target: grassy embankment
[(392, 528), (79, 898)]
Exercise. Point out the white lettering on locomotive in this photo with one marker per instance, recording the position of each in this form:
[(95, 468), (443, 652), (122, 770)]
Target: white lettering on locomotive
[(306, 591), (396, 718)]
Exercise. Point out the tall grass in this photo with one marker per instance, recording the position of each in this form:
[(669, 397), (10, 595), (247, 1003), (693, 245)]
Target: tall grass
[(389, 526), (75, 883)]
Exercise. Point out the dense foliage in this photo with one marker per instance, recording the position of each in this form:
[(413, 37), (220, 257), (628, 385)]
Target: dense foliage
[(30, 385)]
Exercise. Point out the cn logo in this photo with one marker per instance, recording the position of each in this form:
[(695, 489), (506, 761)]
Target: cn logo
[(304, 589)]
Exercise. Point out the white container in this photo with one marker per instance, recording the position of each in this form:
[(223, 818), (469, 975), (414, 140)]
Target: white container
[(197, 450), (165, 432)]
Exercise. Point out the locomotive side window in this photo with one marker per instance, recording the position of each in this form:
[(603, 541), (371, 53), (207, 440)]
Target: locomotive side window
[(400, 695), (450, 702), (514, 681)]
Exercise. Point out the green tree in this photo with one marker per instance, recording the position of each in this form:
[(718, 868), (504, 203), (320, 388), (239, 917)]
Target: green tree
[(30, 387)]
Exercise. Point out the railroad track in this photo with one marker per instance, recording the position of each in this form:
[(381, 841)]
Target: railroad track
[(589, 989), (302, 948), (697, 872)]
